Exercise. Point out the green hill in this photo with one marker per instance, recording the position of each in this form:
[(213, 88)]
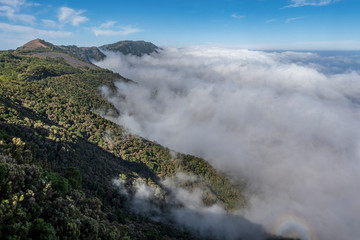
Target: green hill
[(137, 48)]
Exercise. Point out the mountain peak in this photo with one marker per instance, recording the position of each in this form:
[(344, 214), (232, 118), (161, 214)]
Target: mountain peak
[(36, 43)]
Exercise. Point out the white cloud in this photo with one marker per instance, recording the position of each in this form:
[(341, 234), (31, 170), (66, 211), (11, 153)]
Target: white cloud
[(30, 32), (50, 23), (186, 208), (71, 16), (11, 9), (19, 3), (237, 16), (288, 20), (110, 29), (283, 122), (301, 3), (13, 3), (107, 24), (271, 20)]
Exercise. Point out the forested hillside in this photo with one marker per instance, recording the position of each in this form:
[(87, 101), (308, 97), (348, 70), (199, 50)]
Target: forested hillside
[(137, 48), (59, 158)]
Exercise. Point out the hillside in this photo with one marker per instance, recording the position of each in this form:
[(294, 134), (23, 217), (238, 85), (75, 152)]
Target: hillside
[(85, 53), (137, 48), (59, 158)]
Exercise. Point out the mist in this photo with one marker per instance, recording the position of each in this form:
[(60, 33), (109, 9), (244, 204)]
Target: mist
[(185, 208), (286, 123)]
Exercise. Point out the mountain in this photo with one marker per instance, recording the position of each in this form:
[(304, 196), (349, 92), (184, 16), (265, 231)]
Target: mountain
[(68, 173), (37, 43), (85, 54), (41, 48), (137, 48), (88, 54)]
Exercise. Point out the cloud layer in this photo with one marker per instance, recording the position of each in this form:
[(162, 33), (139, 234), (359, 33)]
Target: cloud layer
[(286, 123), (185, 208)]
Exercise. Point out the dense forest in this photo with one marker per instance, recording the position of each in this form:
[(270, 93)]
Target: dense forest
[(59, 157)]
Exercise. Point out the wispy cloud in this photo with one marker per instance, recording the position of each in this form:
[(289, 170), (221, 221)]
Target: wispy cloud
[(237, 16), (13, 3), (109, 28), (49, 23), (288, 20), (271, 20), (71, 16), (301, 3), (16, 4), (31, 32), (108, 24), (10, 10)]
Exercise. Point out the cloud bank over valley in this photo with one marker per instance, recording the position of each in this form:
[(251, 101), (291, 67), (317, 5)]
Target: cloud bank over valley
[(286, 123)]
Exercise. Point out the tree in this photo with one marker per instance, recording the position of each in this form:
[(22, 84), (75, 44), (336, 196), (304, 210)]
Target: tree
[(42, 230), (74, 177)]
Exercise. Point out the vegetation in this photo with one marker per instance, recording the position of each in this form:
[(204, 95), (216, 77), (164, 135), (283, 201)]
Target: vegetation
[(36, 204), (85, 53), (137, 48)]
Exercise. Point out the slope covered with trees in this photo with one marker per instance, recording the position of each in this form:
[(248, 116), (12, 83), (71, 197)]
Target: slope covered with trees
[(137, 48)]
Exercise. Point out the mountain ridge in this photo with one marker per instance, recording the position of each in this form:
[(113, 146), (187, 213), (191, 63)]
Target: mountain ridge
[(137, 48), (90, 54)]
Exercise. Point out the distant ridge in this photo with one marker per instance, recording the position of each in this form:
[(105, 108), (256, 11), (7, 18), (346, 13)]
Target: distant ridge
[(89, 54), (83, 57), (137, 48)]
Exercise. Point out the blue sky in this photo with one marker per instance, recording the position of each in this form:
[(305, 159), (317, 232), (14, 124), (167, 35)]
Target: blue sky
[(254, 24)]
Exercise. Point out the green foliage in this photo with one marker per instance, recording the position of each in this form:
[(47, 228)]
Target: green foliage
[(85, 53), (74, 177), (42, 230), (137, 48), (59, 183), (32, 209)]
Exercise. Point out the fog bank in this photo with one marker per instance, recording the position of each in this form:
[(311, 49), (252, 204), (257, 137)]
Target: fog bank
[(285, 122), (185, 208)]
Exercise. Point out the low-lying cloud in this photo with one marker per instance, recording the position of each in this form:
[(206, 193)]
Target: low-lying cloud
[(185, 208), (286, 123)]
